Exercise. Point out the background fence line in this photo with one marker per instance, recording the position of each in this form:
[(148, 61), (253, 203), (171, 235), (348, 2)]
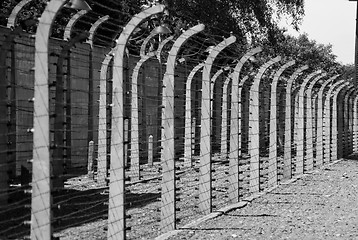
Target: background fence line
[(155, 130)]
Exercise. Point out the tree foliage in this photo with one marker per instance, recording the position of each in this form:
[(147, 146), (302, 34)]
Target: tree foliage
[(256, 18), (306, 51), (259, 18)]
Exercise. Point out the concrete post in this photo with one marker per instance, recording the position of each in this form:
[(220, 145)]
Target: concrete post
[(287, 169), (254, 134), (116, 209), (235, 125)]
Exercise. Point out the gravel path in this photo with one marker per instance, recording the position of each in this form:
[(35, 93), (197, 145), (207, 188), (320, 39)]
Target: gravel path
[(320, 205)]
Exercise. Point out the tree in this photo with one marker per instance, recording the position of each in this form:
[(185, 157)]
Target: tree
[(258, 18), (306, 51)]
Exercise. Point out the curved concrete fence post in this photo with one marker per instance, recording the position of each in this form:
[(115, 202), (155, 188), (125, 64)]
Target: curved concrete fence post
[(11, 21), (168, 210), (102, 121), (41, 215), (161, 46), (301, 144), (335, 116), (320, 117), (224, 119), (188, 135), (310, 122), (205, 179), (116, 209), (135, 100), (355, 125), (94, 28), (135, 139), (327, 122), (287, 165), (294, 130), (345, 125), (351, 123), (349, 128), (71, 23), (91, 103), (350, 133), (273, 144), (254, 133), (214, 112), (235, 125)]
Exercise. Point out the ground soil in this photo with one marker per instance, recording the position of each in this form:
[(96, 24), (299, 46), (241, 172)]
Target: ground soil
[(320, 205)]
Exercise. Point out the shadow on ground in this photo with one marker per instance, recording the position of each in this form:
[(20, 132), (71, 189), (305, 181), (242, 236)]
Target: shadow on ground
[(70, 208)]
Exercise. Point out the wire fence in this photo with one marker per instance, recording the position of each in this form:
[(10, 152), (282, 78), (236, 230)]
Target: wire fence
[(134, 138)]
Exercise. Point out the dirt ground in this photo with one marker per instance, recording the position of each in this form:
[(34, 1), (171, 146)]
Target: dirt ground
[(320, 205)]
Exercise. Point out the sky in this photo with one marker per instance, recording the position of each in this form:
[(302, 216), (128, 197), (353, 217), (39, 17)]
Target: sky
[(331, 21)]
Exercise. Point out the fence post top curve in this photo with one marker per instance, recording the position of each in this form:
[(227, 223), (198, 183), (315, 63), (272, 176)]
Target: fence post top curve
[(11, 21), (213, 54), (193, 72), (332, 87), (131, 25), (108, 57), (337, 84), (184, 37), (94, 28), (295, 75), (324, 85), (350, 90), (335, 87), (306, 80), (315, 80), (331, 79), (249, 54), (71, 23), (216, 75), (263, 68), (152, 34), (227, 41), (227, 80), (243, 60), (340, 88), (218, 48), (279, 72), (45, 22), (161, 46), (220, 71)]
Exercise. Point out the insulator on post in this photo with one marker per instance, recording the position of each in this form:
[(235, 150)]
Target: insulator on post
[(27, 222), (28, 191), (56, 207)]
